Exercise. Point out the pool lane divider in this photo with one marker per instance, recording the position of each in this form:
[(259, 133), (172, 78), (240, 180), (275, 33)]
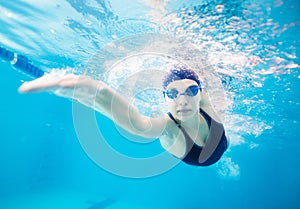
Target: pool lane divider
[(20, 63)]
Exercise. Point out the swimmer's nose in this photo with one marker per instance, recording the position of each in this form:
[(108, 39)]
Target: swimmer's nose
[(182, 100)]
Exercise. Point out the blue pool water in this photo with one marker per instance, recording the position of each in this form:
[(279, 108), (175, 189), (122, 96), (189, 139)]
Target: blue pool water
[(253, 53)]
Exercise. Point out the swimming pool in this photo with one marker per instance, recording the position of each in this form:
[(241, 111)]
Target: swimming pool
[(253, 51)]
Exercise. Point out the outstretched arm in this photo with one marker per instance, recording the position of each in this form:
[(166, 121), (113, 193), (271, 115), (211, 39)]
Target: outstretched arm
[(99, 96)]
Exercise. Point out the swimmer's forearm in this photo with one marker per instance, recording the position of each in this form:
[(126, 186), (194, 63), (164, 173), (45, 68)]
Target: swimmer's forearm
[(118, 109), (101, 97)]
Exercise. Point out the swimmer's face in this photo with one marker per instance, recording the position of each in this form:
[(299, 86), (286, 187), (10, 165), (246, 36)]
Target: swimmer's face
[(185, 98)]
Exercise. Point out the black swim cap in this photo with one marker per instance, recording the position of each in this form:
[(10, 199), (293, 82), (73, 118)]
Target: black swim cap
[(179, 73)]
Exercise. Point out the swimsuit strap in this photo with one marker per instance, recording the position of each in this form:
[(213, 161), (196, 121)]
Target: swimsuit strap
[(189, 141), (206, 117), (173, 119)]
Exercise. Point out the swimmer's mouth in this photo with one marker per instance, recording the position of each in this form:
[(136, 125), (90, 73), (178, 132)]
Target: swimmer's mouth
[(183, 111)]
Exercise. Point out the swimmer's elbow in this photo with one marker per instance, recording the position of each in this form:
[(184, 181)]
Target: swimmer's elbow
[(148, 127)]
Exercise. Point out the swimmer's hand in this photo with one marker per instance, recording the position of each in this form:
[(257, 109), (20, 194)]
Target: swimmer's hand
[(48, 83), (78, 87)]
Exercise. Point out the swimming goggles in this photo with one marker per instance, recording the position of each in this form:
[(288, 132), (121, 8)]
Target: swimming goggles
[(190, 91)]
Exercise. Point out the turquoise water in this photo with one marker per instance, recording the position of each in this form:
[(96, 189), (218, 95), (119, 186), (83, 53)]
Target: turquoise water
[(253, 52)]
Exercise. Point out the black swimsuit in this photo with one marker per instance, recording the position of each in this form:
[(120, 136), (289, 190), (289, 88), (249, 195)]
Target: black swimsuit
[(216, 143)]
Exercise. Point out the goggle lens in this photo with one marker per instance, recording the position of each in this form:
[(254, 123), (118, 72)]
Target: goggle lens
[(190, 91)]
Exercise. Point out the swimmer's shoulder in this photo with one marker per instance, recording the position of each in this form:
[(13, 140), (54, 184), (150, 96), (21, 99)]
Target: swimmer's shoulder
[(212, 113), (207, 106)]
